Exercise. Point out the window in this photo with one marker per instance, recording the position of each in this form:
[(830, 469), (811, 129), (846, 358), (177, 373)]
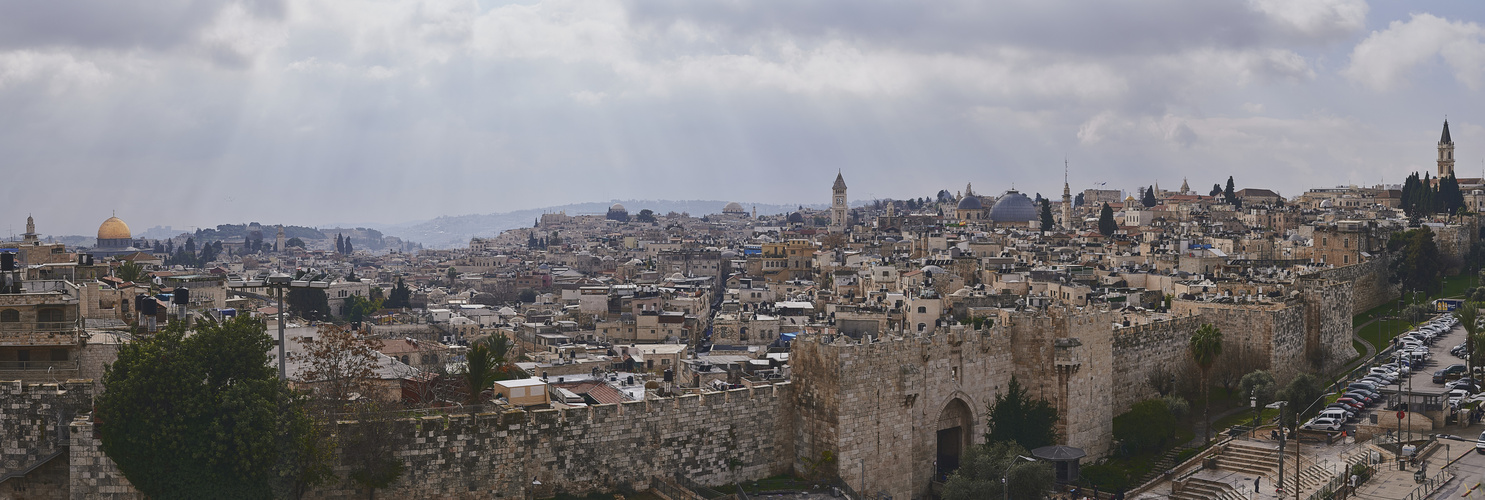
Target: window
[(10, 316), (59, 355), (922, 309), (518, 392), (49, 315)]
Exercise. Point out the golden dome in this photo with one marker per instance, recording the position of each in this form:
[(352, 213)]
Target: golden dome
[(114, 229)]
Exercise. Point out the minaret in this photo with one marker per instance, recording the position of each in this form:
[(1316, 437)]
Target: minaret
[(838, 205), (281, 242), (30, 236), (1446, 153), (1066, 199)]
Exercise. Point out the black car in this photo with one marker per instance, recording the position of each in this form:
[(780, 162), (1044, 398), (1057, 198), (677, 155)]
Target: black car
[(1448, 372)]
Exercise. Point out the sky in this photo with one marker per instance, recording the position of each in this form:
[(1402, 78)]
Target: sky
[(185, 113)]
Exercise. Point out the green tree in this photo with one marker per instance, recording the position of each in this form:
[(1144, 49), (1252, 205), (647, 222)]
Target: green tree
[(1260, 384), (294, 242), (339, 364), (205, 416), (483, 364), (452, 273), (1017, 417), (400, 296), (1147, 426), (129, 271), (308, 303), (1216, 191), (1148, 200), (1047, 222), (1419, 265), (1228, 193), (1300, 394), (527, 295), (1106, 224), (359, 309), (645, 215), (1206, 346), (983, 466)]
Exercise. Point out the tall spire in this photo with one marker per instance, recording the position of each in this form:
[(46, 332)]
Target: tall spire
[(1446, 152)]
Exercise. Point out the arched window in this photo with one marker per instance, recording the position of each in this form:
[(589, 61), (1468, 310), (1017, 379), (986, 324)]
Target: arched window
[(922, 309), (10, 316)]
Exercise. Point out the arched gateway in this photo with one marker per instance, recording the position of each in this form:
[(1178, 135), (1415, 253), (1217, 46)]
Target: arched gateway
[(955, 434)]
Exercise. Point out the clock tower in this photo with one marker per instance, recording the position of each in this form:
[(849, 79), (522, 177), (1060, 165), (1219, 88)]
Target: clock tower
[(838, 213)]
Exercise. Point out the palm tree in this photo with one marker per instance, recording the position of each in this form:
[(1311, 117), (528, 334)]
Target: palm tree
[(1206, 345), (484, 362), (1468, 313)]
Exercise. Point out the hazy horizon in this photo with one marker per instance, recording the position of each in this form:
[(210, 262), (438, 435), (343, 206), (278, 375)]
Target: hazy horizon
[(305, 111)]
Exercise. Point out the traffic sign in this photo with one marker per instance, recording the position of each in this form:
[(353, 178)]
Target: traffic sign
[(1401, 414)]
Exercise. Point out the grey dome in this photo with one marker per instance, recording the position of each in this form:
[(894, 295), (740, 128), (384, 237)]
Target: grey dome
[(796, 218), (971, 202), (1013, 207), (617, 208), (733, 208)]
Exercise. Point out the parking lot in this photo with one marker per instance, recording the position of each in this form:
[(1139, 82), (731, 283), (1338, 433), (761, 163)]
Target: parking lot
[(1416, 389)]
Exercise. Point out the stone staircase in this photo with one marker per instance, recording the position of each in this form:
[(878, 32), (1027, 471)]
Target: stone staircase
[(1202, 489), (1249, 458), (1166, 462)]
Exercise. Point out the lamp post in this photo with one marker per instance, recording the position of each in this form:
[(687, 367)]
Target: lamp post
[(1005, 480), (277, 281), (1282, 440), (280, 282)]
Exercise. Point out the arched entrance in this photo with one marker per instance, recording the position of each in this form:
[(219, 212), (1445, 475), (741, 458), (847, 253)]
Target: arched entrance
[(955, 428)]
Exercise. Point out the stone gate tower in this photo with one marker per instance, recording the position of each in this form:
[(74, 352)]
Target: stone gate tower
[(1446, 153)]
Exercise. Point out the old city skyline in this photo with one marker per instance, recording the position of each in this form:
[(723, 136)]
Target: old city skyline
[(593, 101)]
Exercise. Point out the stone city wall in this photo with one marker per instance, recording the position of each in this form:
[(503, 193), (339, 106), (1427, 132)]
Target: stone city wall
[(1369, 285), (875, 405), (1140, 349), (712, 438), (1328, 324), (1454, 244), (1274, 330), (34, 435)]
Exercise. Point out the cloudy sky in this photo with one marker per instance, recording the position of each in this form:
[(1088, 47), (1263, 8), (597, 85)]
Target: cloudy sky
[(182, 113)]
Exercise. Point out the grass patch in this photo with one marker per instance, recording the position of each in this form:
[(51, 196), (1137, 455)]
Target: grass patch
[(1121, 473), (605, 496), (1244, 418), (1454, 286)]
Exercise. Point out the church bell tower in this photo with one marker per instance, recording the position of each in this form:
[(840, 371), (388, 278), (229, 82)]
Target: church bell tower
[(1446, 153), (838, 212)]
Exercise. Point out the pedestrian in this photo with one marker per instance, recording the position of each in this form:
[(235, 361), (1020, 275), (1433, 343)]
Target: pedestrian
[(1255, 483)]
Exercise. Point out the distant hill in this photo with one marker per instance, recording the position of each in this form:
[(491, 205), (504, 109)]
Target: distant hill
[(455, 231)]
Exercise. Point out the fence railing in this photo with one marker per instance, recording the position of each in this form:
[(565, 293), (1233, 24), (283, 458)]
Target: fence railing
[(1429, 485), (38, 365)]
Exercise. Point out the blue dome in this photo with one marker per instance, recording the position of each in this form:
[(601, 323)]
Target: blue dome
[(970, 202), (1013, 207)]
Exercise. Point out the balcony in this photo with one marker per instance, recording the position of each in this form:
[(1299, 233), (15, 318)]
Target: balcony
[(38, 366), (44, 333)]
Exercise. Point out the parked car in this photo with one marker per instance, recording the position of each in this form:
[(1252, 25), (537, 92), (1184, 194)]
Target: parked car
[(1363, 398), (1466, 383), (1338, 414), (1457, 396), (1351, 402), (1323, 424), (1480, 445), (1447, 373)]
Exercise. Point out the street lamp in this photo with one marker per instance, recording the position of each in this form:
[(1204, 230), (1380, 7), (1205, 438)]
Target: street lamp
[(277, 281), (280, 282), (1005, 480)]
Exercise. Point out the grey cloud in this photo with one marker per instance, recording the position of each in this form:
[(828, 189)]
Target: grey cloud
[(113, 25), (1088, 28)]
